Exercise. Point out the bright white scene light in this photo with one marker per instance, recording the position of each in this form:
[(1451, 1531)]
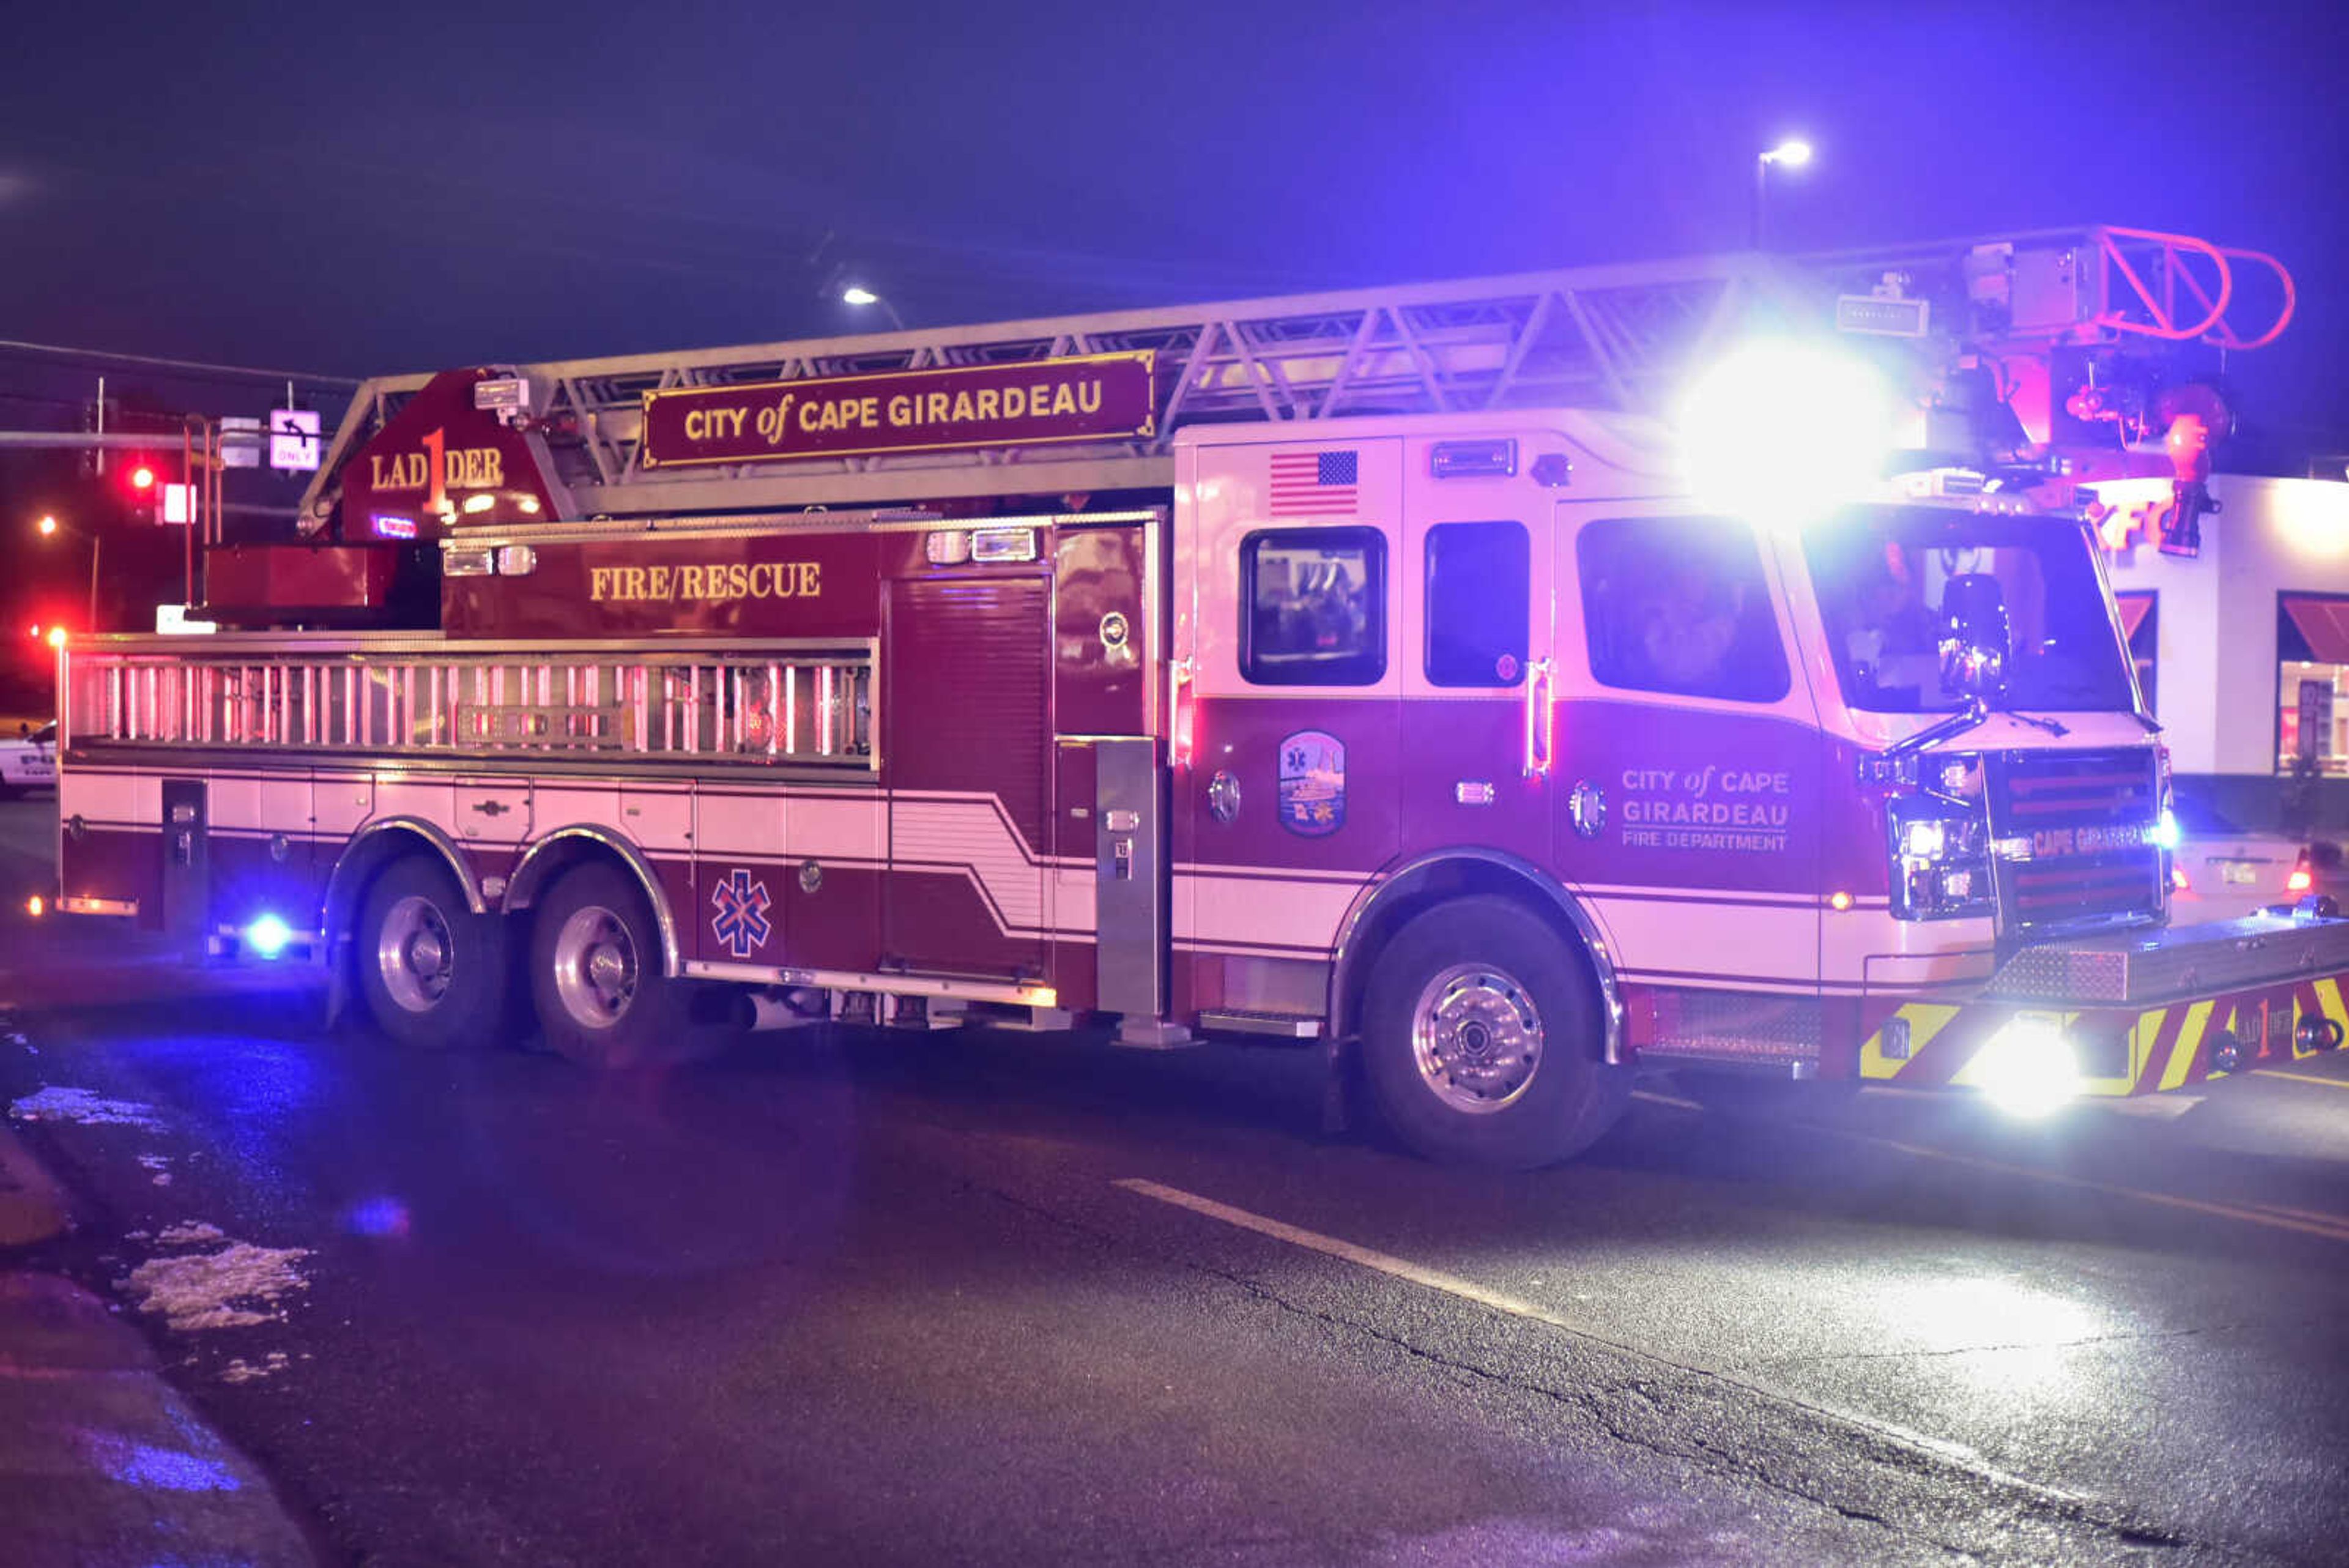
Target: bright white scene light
[(2027, 1069), (1784, 432)]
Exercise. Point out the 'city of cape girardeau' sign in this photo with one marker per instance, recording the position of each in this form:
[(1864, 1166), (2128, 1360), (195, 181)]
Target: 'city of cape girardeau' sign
[(1091, 397)]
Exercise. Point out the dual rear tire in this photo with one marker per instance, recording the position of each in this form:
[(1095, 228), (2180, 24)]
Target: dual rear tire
[(436, 976)]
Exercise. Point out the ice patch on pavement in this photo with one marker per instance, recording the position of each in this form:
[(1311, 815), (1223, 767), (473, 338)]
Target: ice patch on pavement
[(57, 1104), (159, 1168), (243, 1371), (192, 1234), (236, 1287)]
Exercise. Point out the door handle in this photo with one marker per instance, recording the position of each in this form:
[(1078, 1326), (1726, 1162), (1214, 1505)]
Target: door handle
[(1538, 734), (492, 807)]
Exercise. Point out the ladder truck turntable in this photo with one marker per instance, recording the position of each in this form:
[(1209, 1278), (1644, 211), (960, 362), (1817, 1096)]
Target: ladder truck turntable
[(1354, 671)]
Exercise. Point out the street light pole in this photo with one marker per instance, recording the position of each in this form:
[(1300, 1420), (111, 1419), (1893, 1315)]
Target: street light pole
[(1789, 155), (49, 525)]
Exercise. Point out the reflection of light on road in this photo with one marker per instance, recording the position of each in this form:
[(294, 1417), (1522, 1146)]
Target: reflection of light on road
[(2021, 1337), (378, 1217), (146, 1466)]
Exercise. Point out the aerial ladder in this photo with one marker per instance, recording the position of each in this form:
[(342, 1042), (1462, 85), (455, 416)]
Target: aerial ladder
[(2073, 351)]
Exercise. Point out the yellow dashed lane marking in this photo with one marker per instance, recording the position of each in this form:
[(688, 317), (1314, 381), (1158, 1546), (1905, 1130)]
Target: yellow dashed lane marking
[(2333, 1226), (2300, 1077)]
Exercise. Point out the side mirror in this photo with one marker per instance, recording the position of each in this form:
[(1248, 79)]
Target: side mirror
[(1976, 640)]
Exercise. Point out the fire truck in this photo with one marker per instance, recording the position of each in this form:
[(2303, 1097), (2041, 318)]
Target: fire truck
[(1359, 672)]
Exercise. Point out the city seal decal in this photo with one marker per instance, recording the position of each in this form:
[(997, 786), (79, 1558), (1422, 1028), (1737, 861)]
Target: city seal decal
[(740, 924), (1312, 784)]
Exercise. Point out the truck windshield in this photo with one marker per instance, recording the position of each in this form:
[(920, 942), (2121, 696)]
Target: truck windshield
[(1882, 573)]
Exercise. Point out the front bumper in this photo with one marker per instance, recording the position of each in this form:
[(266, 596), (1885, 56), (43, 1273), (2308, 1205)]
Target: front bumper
[(2142, 1011)]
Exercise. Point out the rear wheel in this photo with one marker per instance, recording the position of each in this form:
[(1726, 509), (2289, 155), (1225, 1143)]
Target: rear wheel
[(596, 975), (434, 973), (1483, 1039)]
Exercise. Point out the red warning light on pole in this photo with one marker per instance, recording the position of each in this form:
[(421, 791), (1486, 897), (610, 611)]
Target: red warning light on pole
[(142, 478)]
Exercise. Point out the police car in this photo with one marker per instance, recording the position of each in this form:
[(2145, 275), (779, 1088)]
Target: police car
[(28, 761)]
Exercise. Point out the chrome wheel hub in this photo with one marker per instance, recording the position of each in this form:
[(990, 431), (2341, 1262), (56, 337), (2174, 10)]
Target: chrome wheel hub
[(594, 967), (1476, 1038), (413, 954)]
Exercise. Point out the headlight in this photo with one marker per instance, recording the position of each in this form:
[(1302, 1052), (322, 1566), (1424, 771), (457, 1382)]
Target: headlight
[(1940, 867), (2028, 1067), (1924, 840)]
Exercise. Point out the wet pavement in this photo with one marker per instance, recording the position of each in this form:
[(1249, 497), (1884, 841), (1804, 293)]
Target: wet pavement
[(1002, 1298)]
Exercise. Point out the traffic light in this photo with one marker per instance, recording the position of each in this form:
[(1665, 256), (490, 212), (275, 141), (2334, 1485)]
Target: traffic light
[(141, 488)]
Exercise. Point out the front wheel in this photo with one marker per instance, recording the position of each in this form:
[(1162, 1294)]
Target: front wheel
[(1483, 1039), (596, 975), (434, 973)]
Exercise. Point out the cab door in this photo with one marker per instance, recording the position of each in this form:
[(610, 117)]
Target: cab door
[(1478, 680), (1688, 790)]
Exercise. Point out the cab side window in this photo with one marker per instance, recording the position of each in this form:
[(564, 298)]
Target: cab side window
[(1478, 599), (1313, 607), (1680, 605)]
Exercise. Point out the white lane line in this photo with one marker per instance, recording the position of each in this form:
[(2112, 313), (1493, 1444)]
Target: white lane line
[(2300, 1077), (1385, 1262), (1956, 1454), (1674, 1101)]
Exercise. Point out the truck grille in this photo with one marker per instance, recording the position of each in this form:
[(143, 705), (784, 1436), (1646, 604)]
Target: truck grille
[(2087, 819)]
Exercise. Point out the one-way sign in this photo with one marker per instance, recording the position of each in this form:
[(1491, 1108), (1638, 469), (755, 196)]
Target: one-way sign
[(293, 440)]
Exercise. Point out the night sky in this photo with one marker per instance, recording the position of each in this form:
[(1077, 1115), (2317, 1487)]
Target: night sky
[(405, 187)]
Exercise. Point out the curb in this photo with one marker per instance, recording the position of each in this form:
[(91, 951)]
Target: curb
[(32, 1207), (103, 1462)]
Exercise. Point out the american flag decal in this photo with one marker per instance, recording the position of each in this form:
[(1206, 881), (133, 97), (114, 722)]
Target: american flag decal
[(1315, 483)]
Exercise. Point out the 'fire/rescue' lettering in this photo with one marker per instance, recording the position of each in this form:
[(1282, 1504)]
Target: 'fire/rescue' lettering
[(714, 584)]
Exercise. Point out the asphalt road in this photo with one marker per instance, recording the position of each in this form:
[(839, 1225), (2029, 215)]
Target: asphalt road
[(1009, 1299)]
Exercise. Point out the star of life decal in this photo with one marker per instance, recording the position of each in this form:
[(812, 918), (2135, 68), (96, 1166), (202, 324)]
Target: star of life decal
[(740, 924)]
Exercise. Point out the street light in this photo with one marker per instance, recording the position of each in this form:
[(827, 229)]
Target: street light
[(1791, 154), (857, 293), (48, 527)]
